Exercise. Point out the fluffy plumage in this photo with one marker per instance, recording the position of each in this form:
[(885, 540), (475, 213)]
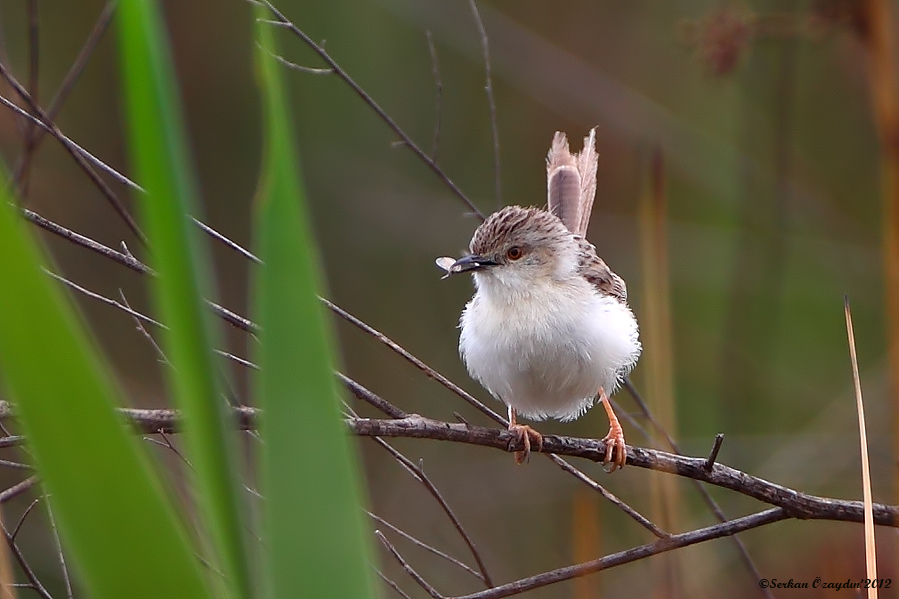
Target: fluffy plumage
[(545, 331)]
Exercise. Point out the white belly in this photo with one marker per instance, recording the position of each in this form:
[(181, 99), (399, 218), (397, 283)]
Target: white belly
[(548, 354)]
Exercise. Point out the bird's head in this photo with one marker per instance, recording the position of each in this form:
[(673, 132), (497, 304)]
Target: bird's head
[(518, 247)]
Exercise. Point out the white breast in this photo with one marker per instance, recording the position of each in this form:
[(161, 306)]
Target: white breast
[(548, 352)]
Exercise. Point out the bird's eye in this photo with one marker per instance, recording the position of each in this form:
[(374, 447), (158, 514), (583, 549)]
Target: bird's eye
[(514, 253)]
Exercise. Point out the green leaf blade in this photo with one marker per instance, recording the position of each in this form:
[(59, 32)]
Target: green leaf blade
[(159, 152), (317, 544), (107, 500)]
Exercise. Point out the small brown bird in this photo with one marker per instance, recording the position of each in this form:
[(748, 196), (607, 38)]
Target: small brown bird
[(548, 329)]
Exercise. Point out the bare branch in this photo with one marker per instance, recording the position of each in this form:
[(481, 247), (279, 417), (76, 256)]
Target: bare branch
[(409, 569), (608, 495), (339, 72), (795, 503), (17, 489), (81, 156), (62, 558), (703, 492), (491, 101), (393, 585), (418, 472), (427, 547), (631, 555)]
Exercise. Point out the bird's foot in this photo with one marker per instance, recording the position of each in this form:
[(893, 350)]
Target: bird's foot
[(616, 450), (525, 435)]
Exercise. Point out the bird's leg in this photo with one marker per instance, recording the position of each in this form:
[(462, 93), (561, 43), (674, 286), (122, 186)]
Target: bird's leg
[(526, 434), (615, 439)]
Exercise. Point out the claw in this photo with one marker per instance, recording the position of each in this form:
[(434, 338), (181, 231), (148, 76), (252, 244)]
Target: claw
[(526, 433), (616, 449)]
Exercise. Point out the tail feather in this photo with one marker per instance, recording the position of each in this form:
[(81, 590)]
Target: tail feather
[(571, 182)]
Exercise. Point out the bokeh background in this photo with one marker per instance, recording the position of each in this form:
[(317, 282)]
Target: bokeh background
[(759, 119)]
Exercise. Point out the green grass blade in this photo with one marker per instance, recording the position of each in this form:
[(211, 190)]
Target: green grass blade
[(114, 518), (163, 167), (316, 542)]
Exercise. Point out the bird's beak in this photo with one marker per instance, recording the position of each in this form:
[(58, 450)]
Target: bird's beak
[(470, 263)]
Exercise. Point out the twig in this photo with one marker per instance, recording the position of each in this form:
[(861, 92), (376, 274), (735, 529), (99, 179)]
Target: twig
[(608, 495), (79, 154), (393, 585), (631, 555), (491, 102), (418, 472), (339, 72), (427, 547), (228, 242), (409, 569), (295, 66), (367, 396), (68, 84), (17, 489), (23, 517), (427, 370), (703, 492), (145, 333), (26, 568), (713, 455), (59, 551), (28, 131), (106, 300), (86, 242)]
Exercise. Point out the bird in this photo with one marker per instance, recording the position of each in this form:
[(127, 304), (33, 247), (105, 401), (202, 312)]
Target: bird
[(548, 330)]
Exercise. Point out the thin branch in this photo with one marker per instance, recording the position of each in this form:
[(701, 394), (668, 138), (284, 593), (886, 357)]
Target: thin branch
[(427, 547), (409, 569), (491, 102), (710, 502), (393, 585), (29, 132), (26, 568), (17, 489), (86, 242), (418, 472), (339, 72), (608, 495), (163, 359), (62, 558), (68, 84), (631, 555), (106, 300), (79, 154), (228, 242), (372, 398), (295, 66), (427, 370), (23, 517)]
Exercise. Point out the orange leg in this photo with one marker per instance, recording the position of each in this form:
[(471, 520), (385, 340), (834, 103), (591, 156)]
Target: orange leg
[(615, 439), (526, 434)]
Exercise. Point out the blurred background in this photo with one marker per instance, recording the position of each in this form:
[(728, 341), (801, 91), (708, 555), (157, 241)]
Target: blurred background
[(739, 195)]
